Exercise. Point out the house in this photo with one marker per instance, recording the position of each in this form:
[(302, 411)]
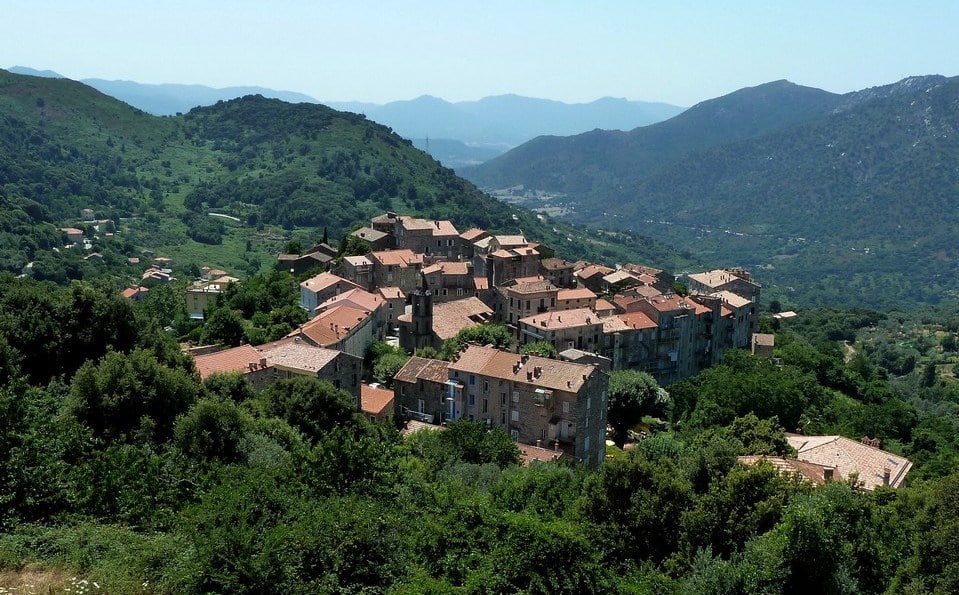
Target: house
[(376, 403), (74, 235), (737, 281), (320, 288), (591, 277), (558, 271), (569, 329), (806, 471), (522, 297), (437, 238), (572, 299), (201, 295), (442, 321), (397, 268), (134, 294), (395, 301), (349, 322), (297, 264), (264, 364), (290, 358), (420, 390), (539, 401), (871, 466), (450, 280), (358, 269), (374, 238), (86, 214), (763, 344)]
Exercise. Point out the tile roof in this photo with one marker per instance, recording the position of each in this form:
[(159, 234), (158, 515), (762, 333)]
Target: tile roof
[(552, 264), (411, 425), (358, 261), (603, 306), (529, 285), (810, 472), (593, 270), (637, 320), (369, 234), (298, 355), (734, 300), (529, 453), (421, 368), (391, 293), (236, 359), (473, 234), (323, 281), (579, 293), (514, 241), (481, 283), (849, 457), (374, 400), (619, 277), (448, 268), (332, 325), (563, 319), (399, 258), (718, 277), (450, 318), (438, 227), (614, 324), (554, 374), (358, 298)]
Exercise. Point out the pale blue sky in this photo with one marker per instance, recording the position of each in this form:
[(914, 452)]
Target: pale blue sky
[(675, 51)]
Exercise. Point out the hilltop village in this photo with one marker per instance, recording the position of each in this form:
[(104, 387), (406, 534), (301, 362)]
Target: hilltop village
[(422, 282)]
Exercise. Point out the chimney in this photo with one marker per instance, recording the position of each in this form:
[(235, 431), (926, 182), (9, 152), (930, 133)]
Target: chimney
[(262, 362), (885, 476), (556, 445), (827, 473), (529, 374), (539, 443)]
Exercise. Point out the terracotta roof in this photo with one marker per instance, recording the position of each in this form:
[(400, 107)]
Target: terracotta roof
[(529, 453), (358, 298), (332, 325), (358, 261), (511, 241), (298, 355), (614, 324), (391, 293), (552, 264), (619, 276), (448, 268), (810, 472), (764, 339), (575, 294), (603, 306), (718, 277), (643, 270), (849, 457), (236, 359), (637, 320), (421, 368), (374, 400), (734, 300), (399, 258), (593, 270), (411, 425), (529, 285), (450, 318), (438, 227), (132, 292), (554, 374), (563, 319), (473, 234), (323, 281), (481, 283)]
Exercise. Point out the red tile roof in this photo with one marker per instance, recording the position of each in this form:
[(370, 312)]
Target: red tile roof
[(637, 320), (237, 359), (450, 318), (579, 293), (554, 374), (529, 453), (811, 472), (324, 280), (421, 368), (563, 319), (358, 298), (332, 325), (398, 258), (374, 400), (850, 457)]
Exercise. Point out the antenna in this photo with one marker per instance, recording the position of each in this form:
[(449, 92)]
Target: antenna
[(427, 143)]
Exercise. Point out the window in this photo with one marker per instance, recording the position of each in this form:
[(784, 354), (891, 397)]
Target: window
[(502, 400), (586, 444), (502, 418), (565, 406), (472, 379), (485, 405), (514, 415), (420, 406), (486, 386), (472, 400), (516, 396)]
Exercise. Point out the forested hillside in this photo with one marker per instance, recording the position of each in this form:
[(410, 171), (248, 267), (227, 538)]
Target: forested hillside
[(280, 170), (839, 199), (118, 468)]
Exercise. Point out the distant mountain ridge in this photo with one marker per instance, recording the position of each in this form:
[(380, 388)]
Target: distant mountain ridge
[(820, 191), (508, 120)]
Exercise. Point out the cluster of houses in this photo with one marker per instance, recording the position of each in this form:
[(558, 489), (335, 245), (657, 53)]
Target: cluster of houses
[(423, 281)]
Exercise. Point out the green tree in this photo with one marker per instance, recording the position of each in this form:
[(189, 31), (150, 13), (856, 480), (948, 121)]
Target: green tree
[(632, 395), (387, 366), (223, 326), (213, 429), (313, 406), (540, 348), (489, 333), (126, 398)]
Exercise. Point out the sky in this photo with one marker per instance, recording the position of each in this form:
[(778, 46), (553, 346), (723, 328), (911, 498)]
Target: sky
[(674, 51)]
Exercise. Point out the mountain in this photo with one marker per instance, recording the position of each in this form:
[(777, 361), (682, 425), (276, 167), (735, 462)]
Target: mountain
[(278, 169), (835, 198), (504, 121), (169, 99)]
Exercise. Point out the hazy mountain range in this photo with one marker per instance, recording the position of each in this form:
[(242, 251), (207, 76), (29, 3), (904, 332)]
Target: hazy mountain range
[(461, 133), (856, 191)]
